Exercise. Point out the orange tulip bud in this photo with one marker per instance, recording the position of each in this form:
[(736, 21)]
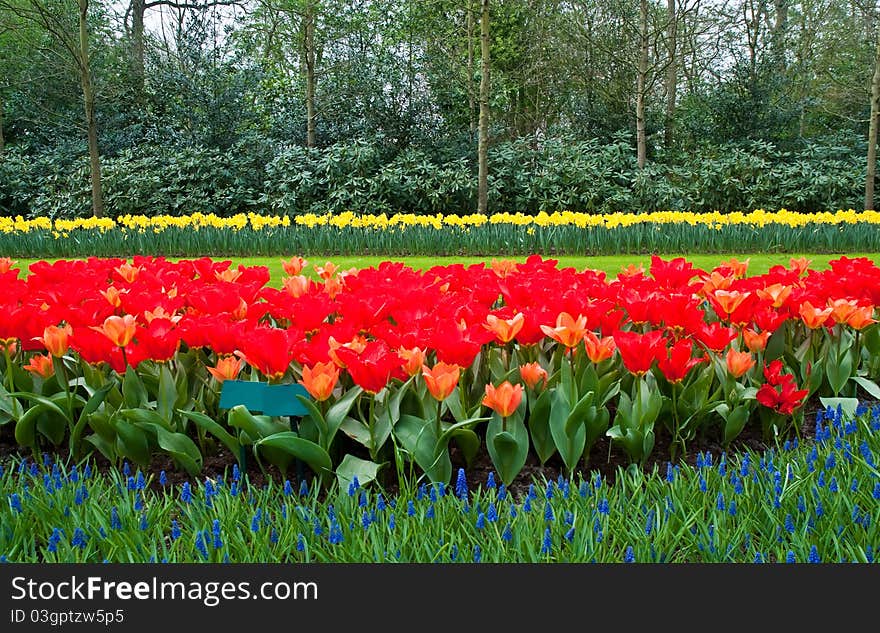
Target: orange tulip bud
[(9, 345), (776, 294), (599, 349), (113, 296), (754, 341), (320, 380), (813, 317), (532, 374), (503, 267), (128, 272), (5, 264), (505, 329), (737, 267), (568, 331), (503, 399), (119, 329), (738, 363), (55, 339), (229, 275), (800, 264), (326, 271), (294, 265), (227, 368), (41, 365), (441, 379), (296, 286), (413, 360), (841, 309), (729, 300), (861, 317)]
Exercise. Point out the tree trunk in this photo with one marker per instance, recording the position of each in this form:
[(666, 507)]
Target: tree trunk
[(483, 145), (138, 9), (671, 75), (89, 103), (2, 138), (472, 125), (309, 50), (872, 130), (641, 83)]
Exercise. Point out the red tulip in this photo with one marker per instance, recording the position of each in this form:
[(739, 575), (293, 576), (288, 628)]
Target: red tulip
[(679, 361), (373, 367), (639, 351)]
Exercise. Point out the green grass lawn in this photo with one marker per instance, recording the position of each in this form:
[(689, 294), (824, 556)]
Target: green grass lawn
[(612, 264)]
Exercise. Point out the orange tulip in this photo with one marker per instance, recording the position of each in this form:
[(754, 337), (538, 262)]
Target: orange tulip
[(320, 380), (503, 267), (358, 344), (9, 345), (841, 309), (227, 368), (532, 374), (41, 365), (296, 286), (240, 313), (568, 331), (5, 264), (738, 363), (55, 339), (505, 329), (800, 264), (294, 265), (326, 271), (113, 296), (503, 399), (861, 317), (413, 359), (333, 286), (737, 267), (119, 329), (813, 317), (754, 341), (729, 300), (632, 270), (441, 380), (599, 349), (230, 275), (128, 272), (716, 281), (776, 294), (161, 313)]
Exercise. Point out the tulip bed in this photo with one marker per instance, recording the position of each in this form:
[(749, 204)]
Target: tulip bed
[(127, 359), (409, 234), (811, 502)]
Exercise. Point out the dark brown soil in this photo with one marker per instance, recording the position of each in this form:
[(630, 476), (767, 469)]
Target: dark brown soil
[(603, 461)]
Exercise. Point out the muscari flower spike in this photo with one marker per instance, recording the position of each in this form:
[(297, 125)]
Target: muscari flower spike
[(629, 556), (461, 488), (175, 531), (163, 478), (547, 542), (490, 480)]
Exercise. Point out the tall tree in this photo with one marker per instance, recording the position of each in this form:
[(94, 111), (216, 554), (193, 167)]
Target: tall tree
[(70, 33), (671, 73), (872, 129), (483, 144)]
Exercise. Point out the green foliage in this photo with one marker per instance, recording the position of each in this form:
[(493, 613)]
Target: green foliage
[(809, 503)]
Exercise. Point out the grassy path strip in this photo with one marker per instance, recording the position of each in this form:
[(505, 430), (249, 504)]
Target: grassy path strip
[(612, 264)]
